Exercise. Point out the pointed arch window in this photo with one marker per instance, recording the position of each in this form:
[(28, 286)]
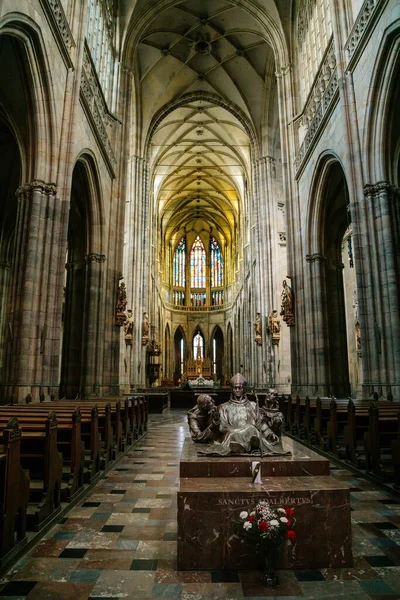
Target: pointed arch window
[(198, 264), (217, 264), (180, 264), (198, 346), (100, 40)]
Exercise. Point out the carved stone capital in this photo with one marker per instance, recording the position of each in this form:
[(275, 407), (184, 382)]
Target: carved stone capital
[(381, 187), (5, 265), (315, 257), (93, 257), (37, 185)]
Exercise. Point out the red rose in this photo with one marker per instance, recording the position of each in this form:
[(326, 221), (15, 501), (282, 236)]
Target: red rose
[(251, 519), (289, 523), (263, 525), (291, 535), (289, 512)]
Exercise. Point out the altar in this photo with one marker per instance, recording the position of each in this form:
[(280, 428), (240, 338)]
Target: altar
[(197, 367)]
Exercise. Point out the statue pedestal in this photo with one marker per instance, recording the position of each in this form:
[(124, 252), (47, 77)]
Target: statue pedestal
[(302, 461), (213, 491)]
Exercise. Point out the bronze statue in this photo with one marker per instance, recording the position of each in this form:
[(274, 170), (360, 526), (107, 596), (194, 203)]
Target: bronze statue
[(201, 420), (240, 427), (287, 304)]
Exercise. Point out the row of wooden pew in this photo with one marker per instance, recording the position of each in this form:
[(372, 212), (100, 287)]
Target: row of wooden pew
[(366, 434), (49, 451)]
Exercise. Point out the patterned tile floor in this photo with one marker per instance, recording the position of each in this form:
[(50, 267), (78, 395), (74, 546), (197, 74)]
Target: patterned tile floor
[(121, 541)]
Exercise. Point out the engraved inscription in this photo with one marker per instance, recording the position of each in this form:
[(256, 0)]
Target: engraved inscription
[(280, 500)]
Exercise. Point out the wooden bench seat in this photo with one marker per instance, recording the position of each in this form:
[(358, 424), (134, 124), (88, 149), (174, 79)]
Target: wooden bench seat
[(14, 489)]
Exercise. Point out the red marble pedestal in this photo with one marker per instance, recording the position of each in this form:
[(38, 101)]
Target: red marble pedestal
[(209, 506)]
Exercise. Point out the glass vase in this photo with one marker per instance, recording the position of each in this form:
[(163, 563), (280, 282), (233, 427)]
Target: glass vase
[(269, 576)]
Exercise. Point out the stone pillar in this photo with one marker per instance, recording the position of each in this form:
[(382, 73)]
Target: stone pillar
[(379, 309), (5, 279), (36, 290), (317, 332), (136, 260), (93, 341)]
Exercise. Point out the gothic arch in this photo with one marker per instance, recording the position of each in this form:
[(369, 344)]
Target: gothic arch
[(325, 301), (217, 353), (180, 359), (82, 352), (380, 156), (229, 351), (167, 352), (316, 201), (198, 329), (87, 163), (41, 144)]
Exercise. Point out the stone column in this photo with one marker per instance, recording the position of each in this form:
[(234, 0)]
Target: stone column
[(36, 290), (136, 263), (5, 278), (317, 332), (93, 340), (379, 311)]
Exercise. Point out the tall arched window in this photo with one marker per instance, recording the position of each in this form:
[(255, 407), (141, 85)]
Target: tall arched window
[(314, 29), (100, 39), (217, 273), (198, 264), (179, 277), (198, 346), (203, 286)]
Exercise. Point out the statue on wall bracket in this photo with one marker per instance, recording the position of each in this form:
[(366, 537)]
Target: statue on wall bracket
[(257, 330), (128, 329), (274, 323), (287, 308), (120, 307), (145, 329)]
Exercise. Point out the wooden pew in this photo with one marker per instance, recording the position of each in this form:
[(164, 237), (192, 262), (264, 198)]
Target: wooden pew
[(39, 455), (69, 442), (383, 429), (14, 489)]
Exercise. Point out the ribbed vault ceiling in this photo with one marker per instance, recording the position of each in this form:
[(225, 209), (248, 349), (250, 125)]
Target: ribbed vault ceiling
[(200, 153)]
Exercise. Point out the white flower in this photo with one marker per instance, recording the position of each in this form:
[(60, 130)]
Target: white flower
[(282, 510), (283, 519), (243, 514), (274, 523), (253, 514), (247, 525)]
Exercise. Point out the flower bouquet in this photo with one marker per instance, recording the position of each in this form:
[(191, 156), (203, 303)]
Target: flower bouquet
[(269, 528)]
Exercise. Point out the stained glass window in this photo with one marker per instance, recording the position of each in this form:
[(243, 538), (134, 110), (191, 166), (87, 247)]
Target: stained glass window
[(179, 298), (180, 264), (217, 298), (198, 346), (198, 264), (198, 299), (217, 264), (182, 354), (214, 356)]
